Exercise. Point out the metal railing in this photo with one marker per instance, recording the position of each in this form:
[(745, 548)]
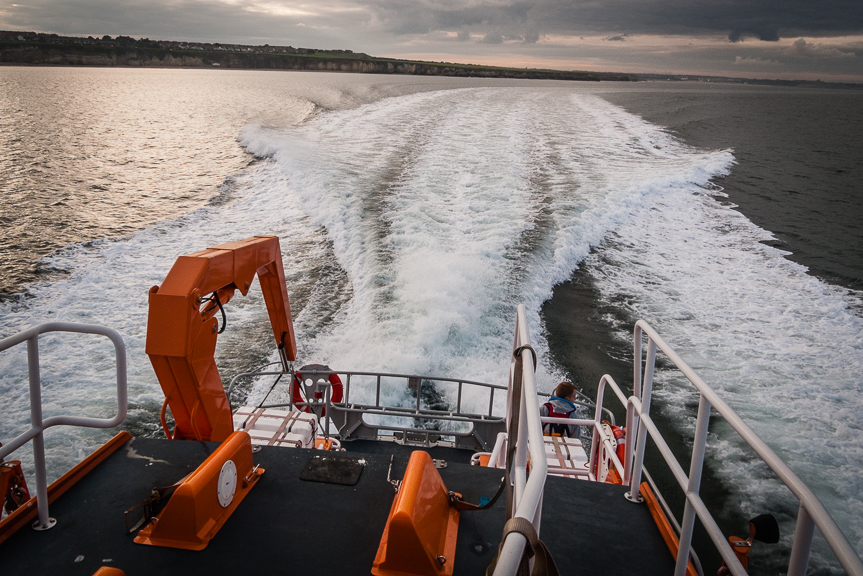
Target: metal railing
[(37, 423), (346, 418), (527, 489), (639, 423)]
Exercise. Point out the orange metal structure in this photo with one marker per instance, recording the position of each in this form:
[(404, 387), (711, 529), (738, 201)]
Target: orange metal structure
[(108, 571), (182, 328), (742, 552), (421, 531), (664, 525), (13, 486), (196, 510)]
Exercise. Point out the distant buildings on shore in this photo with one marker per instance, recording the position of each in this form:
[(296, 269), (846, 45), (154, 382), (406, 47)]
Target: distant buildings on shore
[(128, 41)]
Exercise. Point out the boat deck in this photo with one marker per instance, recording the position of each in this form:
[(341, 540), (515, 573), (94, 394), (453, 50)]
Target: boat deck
[(287, 525)]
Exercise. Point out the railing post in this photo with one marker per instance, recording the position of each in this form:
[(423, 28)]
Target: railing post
[(636, 365), (694, 486), (44, 522), (597, 418), (630, 441), (802, 543), (646, 394)]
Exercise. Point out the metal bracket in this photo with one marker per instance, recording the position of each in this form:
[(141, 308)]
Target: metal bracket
[(397, 484)]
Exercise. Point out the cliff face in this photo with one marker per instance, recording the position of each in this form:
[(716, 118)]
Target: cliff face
[(72, 55)]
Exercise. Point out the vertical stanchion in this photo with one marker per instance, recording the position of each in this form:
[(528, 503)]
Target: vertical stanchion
[(44, 522), (640, 445), (630, 441), (694, 486), (802, 543)]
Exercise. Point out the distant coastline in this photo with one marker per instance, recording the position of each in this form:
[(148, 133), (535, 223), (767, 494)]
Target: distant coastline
[(40, 49), (35, 49)]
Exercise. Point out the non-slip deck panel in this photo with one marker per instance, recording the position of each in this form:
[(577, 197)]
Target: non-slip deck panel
[(590, 529), (289, 526), (284, 526)]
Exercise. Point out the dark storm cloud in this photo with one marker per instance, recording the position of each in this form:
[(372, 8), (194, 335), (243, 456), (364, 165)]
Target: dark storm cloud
[(492, 38), (242, 21), (485, 19), (612, 35), (738, 19)]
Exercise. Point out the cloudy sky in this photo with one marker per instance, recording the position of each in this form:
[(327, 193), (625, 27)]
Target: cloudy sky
[(808, 39)]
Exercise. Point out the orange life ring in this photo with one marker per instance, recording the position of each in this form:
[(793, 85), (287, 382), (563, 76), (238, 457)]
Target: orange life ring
[(620, 438), (619, 435), (297, 395)]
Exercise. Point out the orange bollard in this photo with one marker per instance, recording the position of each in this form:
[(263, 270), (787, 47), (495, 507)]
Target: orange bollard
[(421, 531), (108, 571), (205, 500)]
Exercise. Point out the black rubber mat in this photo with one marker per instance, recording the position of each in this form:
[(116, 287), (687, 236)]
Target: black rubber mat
[(333, 469)]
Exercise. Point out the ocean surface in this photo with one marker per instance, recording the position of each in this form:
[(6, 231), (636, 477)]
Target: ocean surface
[(416, 213)]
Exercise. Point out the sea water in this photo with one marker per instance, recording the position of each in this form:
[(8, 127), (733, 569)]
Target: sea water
[(414, 215)]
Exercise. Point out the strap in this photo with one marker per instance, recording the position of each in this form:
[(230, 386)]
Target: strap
[(517, 353), (511, 433), (543, 563)]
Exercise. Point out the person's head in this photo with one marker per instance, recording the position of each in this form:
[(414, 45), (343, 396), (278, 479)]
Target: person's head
[(566, 390)]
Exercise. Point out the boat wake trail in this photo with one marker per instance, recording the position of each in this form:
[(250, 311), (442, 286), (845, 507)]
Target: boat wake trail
[(411, 228), (446, 209)]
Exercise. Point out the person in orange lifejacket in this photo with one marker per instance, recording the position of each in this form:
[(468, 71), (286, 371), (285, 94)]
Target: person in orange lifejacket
[(561, 405)]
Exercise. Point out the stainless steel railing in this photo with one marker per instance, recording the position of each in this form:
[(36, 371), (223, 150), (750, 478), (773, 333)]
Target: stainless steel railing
[(346, 418), (38, 424), (639, 423), (527, 488)]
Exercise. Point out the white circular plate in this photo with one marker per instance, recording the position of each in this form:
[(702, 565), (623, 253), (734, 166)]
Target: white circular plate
[(227, 483)]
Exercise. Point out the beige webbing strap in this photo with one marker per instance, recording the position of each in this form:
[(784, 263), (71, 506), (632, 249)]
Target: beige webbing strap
[(512, 432), (543, 563), (555, 440), (292, 417)]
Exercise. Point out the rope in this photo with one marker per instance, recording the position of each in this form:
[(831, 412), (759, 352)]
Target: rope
[(463, 506)]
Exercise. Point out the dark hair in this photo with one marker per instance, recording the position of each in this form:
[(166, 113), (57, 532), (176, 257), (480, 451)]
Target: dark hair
[(565, 389)]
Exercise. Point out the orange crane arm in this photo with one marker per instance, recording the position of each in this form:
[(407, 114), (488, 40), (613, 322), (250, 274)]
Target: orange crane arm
[(182, 329)]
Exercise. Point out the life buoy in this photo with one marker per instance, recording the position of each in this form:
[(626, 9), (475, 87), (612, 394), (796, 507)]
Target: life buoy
[(605, 469), (302, 403), (620, 438), (620, 452)]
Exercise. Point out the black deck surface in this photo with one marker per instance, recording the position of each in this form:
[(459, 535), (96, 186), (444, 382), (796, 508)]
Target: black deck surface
[(288, 526)]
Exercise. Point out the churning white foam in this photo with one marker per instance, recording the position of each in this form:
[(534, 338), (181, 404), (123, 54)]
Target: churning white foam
[(447, 209)]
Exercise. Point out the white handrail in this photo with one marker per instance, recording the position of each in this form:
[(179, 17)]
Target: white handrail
[(811, 513), (527, 502), (37, 423)]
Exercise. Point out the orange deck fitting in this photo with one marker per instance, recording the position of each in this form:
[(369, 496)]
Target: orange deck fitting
[(421, 532), (204, 501)]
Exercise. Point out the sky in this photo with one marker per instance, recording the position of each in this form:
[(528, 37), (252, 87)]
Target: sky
[(781, 39)]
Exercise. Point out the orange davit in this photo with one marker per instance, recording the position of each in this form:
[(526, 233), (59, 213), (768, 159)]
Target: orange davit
[(182, 328)]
